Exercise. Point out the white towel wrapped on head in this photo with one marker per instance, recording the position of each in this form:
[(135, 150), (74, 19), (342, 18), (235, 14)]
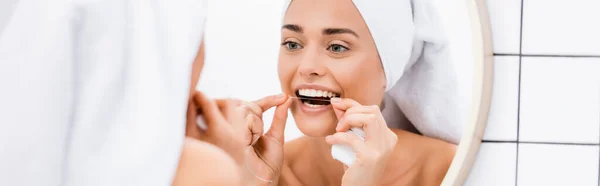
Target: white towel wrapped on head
[(426, 88)]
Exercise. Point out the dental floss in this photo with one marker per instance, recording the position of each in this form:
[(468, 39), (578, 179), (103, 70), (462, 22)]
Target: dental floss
[(257, 177), (313, 99)]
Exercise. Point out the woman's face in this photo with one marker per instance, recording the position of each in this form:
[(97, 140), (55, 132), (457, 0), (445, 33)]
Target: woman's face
[(327, 51)]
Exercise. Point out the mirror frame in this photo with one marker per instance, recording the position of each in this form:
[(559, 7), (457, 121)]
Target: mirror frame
[(466, 151)]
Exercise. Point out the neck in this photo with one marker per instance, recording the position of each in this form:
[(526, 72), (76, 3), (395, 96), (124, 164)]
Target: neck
[(332, 169)]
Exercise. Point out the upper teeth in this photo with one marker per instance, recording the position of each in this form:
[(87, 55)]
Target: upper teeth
[(316, 93)]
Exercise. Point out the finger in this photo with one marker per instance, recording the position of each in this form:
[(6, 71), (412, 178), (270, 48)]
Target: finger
[(372, 109), (209, 109), (226, 103), (279, 119), (368, 122), (256, 128), (252, 127), (349, 139), (240, 119), (339, 113), (227, 107), (254, 108), (343, 103), (270, 101), (192, 127)]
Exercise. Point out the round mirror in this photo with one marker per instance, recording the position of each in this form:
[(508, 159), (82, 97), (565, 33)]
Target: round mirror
[(427, 65)]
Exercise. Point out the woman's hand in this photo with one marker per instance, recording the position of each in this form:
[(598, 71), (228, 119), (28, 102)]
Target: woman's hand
[(237, 128), (217, 117), (373, 153), (264, 152)]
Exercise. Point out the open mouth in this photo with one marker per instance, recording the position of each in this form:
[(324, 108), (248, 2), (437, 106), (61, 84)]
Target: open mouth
[(316, 98)]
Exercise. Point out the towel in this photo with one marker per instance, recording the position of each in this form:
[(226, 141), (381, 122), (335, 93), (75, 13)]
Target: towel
[(94, 92), (421, 86)]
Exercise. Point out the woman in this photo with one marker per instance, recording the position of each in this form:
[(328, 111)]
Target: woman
[(331, 55)]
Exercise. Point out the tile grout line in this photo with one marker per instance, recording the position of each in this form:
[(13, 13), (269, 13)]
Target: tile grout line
[(547, 55), (519, 97), (541, 143)]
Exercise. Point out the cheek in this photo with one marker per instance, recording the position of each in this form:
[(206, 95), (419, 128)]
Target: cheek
[(285, 71), (362, 80)]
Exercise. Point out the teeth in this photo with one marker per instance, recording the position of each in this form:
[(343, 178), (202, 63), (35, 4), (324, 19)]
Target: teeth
[(316, 93), (313, 106)]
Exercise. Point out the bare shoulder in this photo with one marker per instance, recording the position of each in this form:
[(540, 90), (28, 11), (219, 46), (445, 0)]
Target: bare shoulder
[(204, 164), (432, 156), (425, 144)]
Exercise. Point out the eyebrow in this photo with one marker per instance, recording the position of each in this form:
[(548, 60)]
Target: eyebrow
[(327, 31), (291, 27), (332, 31)]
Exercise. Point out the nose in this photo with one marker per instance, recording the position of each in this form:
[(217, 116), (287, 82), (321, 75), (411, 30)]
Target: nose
[(311, 65)]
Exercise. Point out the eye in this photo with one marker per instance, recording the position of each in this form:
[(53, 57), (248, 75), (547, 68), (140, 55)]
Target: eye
[(337, 48), (290, 45)]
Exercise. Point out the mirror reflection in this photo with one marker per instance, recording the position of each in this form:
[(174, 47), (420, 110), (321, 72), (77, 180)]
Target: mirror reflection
[(378, 92)]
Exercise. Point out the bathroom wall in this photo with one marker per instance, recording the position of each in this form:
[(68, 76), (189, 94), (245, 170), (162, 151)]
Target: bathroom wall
[(544, 122)]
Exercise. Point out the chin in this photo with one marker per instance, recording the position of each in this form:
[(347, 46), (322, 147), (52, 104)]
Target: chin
[(319, 125)]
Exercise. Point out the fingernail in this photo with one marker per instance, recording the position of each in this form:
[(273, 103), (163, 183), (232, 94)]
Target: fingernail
[(335, 100), (327, 138)]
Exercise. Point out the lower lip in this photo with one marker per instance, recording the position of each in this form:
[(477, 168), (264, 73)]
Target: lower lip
[(313, 111)]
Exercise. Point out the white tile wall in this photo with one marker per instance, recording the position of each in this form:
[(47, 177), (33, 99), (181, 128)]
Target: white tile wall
[(495, 165), (502, 119), (542, 164), (544, 122), (505, 17), (559, 100), (561, 27)]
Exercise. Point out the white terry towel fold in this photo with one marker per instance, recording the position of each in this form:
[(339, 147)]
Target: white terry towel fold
[(414, 52), (94, 92)]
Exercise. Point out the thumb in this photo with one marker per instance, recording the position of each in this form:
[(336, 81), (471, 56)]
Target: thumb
[(279, 120), (267, 102)]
